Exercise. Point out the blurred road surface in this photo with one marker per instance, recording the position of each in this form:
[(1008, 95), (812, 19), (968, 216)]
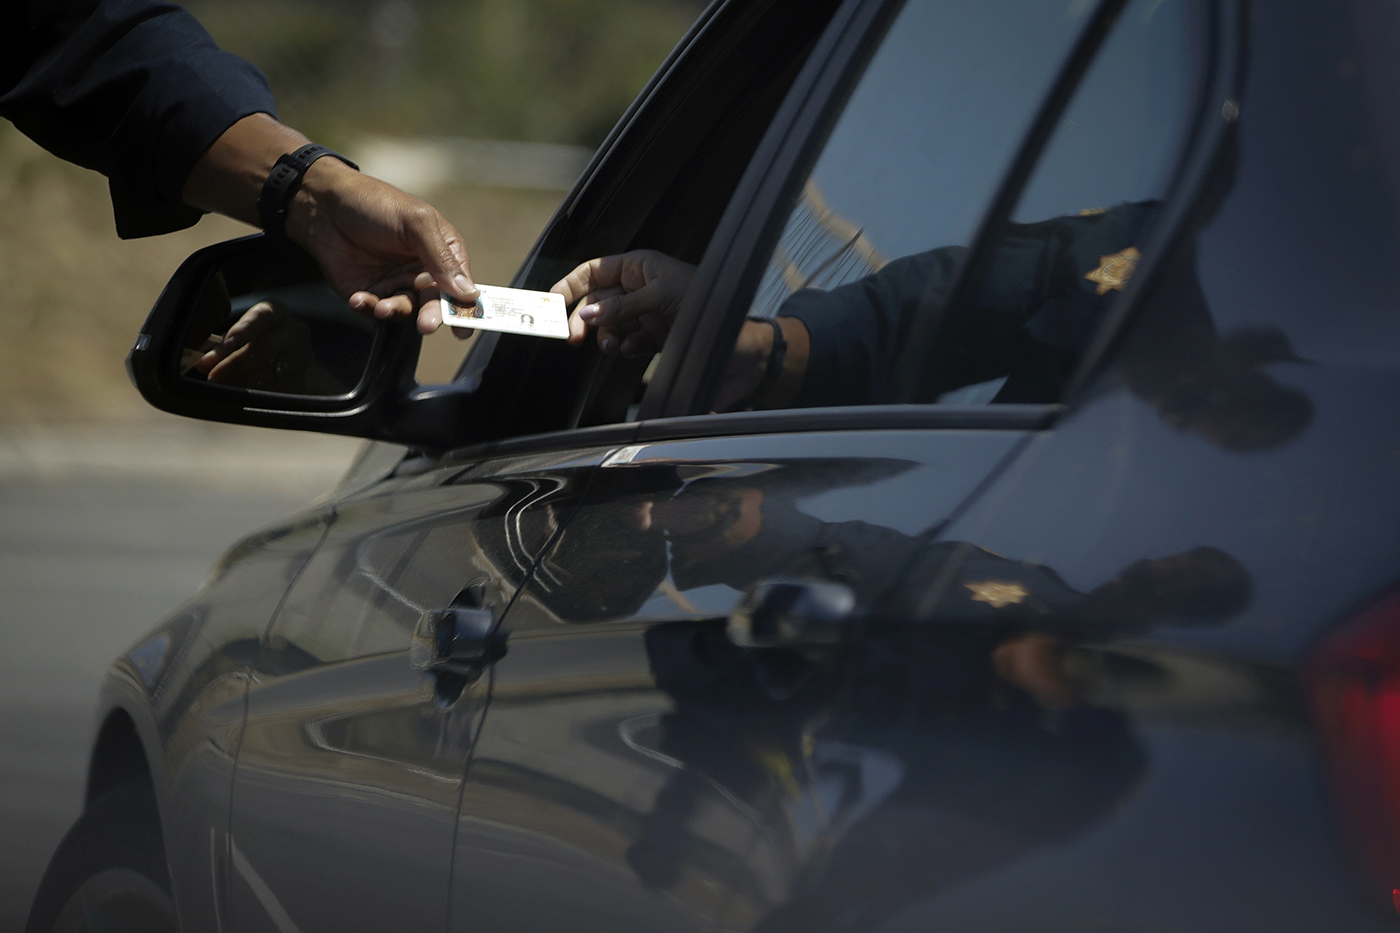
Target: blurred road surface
[(103, 532)]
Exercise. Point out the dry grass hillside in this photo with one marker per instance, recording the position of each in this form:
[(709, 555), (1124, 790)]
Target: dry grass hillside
[(72, 296)]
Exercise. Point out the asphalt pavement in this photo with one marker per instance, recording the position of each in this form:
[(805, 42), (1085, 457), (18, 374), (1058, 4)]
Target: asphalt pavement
[(102, 533)]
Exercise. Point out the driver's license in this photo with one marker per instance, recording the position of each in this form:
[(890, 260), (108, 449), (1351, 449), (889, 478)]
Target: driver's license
[(512, 310)]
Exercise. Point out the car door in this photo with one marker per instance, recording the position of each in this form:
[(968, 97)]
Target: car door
[(345, 795), (651, 759)]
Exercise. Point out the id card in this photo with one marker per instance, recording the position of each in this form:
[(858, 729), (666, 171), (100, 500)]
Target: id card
[(512, 310)]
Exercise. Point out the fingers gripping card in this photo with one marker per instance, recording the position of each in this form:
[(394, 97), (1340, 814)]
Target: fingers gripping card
[(512, 310)]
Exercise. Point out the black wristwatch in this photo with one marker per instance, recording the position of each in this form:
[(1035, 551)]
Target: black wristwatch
[(282, 185)]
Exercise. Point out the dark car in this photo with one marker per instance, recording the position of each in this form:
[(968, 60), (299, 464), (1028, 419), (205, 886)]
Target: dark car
[(1060, 595)]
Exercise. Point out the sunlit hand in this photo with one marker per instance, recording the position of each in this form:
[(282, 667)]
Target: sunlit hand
[(631, 300), (388, 253)]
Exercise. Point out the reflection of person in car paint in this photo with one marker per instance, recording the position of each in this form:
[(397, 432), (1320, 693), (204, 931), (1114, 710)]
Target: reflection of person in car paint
[(964, 733), (1043, 296), (732, 530), (962, 774), (964, 739)]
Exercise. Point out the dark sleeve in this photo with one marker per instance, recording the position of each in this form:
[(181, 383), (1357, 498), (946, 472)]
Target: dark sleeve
[(1035, 294), (135, 89), (854, 327)]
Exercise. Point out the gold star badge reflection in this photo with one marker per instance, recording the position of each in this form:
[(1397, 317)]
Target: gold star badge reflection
[(996, 593), (1114, 271)]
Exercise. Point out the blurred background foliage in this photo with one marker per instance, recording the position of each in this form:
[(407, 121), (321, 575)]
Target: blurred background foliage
[(558, 71), (345, 72)]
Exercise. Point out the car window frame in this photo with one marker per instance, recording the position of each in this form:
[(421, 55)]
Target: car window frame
[(712, 313)]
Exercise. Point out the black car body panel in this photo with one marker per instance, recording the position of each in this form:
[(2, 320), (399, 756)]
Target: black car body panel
[(184, 689), (590, 736), (348, 749)]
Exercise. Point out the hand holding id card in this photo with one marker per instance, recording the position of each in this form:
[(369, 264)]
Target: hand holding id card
[(512, 311)]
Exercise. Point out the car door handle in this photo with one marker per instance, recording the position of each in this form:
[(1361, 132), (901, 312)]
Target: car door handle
[(782, 612), (456, 640)]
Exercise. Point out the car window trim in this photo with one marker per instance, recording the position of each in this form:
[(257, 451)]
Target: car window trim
[(841, 54), (851, 418), (602, 435), (779, 421)]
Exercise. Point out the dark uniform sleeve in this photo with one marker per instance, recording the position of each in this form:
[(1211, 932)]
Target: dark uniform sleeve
[(135, 89), (1034, 315), (854, 327)]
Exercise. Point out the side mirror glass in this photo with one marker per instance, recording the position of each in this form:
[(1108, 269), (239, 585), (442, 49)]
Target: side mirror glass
[(252, 334), (290, 338)]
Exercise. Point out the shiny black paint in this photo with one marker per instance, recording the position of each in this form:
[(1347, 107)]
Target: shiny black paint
[(344, 804), (1228, 825), (630, 772), (183, 687)]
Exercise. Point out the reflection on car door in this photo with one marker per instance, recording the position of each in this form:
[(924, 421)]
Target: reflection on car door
[(347, 781), (639, 771)]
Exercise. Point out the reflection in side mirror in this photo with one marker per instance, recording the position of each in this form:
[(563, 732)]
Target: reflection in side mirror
[(298, 339), (249, 333)]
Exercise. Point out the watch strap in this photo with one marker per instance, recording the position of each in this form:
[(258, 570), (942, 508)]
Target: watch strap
[(282, 185), (776, 357)]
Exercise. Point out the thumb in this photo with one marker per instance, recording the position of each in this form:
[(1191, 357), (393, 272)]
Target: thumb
[(439, 247)]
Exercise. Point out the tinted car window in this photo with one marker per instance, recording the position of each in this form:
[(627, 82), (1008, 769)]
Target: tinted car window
[(923, 141), (1119, 140), (1043, 281), (880, 233)]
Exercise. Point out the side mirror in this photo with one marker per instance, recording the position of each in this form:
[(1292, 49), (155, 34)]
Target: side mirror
[(790, 612), (251, 334)]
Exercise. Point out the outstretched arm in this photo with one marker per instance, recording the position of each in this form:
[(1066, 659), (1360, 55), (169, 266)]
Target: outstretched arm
[(140, 92)]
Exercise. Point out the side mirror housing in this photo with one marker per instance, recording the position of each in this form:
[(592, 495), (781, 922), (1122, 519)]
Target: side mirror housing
[(248, 333)]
